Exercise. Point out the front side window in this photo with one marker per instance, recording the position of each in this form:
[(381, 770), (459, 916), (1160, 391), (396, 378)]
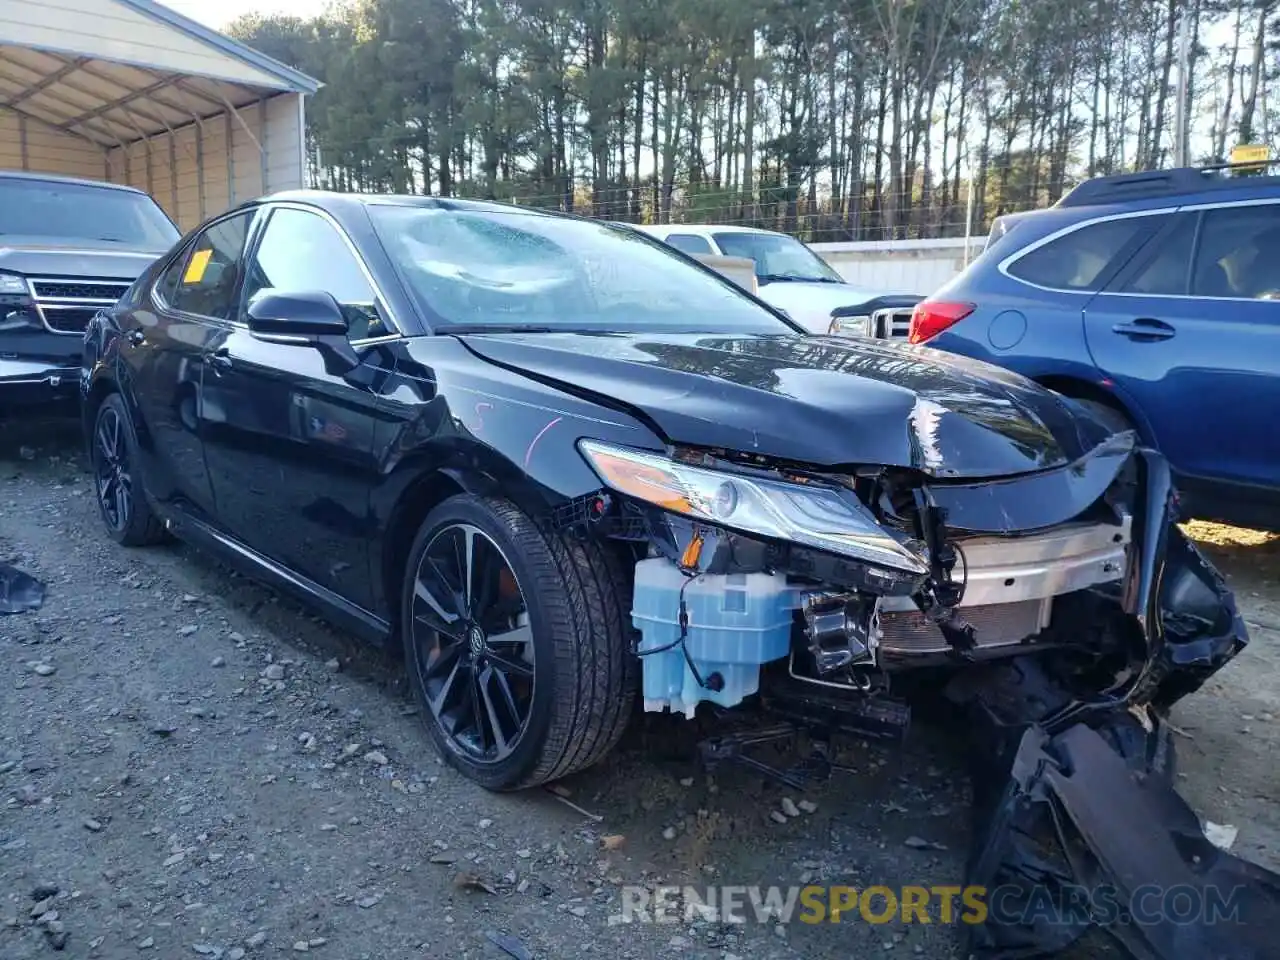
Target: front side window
[(689, 243), (778, 257), (75, 211), (1078, 260), (481, 268), (301, 252), (1239, 253), (204, 281)]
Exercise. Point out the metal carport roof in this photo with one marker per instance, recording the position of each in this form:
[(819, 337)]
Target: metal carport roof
[(113, 72)]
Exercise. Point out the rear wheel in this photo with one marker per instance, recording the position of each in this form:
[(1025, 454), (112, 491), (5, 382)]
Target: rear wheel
[(122, 500), (516, 644)]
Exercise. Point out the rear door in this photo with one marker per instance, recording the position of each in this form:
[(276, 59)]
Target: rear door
[(1188, 335), (290, 446), (163, 350)]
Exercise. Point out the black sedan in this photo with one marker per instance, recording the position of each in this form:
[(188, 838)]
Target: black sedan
[(568, 468)]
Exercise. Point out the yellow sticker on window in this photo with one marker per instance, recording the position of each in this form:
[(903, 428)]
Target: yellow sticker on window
[(196, 268)]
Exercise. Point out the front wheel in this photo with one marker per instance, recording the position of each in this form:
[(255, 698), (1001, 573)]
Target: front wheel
[(516, 644)]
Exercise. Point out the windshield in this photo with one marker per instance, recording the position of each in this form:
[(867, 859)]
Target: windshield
[(75, 211), (777, 257), (489, 269)]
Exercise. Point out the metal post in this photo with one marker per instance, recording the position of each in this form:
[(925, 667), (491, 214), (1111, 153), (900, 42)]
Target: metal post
[(200, 166), (970, 204), (173, 177), (263, 167), (1181, 148), (231, 162)]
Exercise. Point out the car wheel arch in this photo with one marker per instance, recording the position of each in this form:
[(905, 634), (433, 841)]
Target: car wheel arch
[(100, 387), (1078, 389), (417, 486)]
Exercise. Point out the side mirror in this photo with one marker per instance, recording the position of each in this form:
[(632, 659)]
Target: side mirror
[(307, 314), (312, 318)]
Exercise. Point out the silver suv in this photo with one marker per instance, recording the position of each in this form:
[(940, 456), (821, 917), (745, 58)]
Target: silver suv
[(67, 249)]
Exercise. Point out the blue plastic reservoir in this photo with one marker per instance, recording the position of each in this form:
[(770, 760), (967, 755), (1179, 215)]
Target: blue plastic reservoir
[(737, 622)]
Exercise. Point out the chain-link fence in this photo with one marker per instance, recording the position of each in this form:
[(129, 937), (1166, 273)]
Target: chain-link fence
[(931, 208)]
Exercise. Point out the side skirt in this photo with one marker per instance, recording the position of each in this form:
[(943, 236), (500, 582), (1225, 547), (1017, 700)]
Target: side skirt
[(342, 613)]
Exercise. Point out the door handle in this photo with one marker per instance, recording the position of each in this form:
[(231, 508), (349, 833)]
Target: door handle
[(1145, 328), (220, 358)]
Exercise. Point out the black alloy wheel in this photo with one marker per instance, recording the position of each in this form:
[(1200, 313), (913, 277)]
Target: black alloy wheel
[(113, 482), (516, 643), (474, 644), (122, 502)]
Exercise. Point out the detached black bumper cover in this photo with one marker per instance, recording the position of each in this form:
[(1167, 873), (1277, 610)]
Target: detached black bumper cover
[(1080, 838), (1079, 826)]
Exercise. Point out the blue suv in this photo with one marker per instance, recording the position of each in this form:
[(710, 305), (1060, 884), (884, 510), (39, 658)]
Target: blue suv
[(1154, 299)]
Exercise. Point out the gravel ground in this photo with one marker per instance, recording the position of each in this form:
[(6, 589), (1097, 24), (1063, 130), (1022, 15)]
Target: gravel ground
[(198, 767)]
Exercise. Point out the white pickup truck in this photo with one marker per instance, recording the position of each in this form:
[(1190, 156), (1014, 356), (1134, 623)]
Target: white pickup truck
[(796, 280)]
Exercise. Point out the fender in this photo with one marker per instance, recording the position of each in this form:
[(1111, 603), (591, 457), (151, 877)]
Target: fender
[(456, 423)]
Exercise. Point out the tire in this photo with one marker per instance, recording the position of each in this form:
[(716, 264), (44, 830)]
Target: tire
[(570, 610), (122, 500)]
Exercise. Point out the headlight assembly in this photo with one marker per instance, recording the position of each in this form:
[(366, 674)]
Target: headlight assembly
[(11, 283), (850, 326), (822, 517)]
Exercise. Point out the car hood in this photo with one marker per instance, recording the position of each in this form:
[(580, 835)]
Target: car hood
[(810, 304), (824, 401), (59, 257)]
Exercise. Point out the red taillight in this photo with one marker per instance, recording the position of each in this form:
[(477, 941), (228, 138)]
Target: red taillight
[(931, 317)]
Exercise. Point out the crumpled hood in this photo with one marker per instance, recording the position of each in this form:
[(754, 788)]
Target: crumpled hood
[(58, 257), (825, 401), (810, 304)]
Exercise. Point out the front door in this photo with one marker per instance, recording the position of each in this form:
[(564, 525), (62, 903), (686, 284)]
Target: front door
[(1188, 332), (291, 447)]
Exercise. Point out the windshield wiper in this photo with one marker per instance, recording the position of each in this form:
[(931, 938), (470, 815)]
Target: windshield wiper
[(502, 328), (791, 278)]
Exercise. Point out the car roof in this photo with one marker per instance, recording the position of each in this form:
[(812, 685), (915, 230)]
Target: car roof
[(337, 203), (1179, 185), (77, 181), (700, 229)]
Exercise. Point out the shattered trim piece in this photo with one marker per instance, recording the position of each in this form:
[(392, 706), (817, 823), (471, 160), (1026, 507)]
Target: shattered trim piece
[(19, 591)]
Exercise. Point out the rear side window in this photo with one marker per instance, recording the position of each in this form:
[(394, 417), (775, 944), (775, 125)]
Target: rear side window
[(689, 243), (1168, 269), (205, 281), (1239, 254), (1079, 260)]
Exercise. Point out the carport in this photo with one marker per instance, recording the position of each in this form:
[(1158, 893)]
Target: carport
[(132, 92)]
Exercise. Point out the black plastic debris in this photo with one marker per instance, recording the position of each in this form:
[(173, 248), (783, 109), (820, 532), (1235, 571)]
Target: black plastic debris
[(508, 945), (19, 591), (1081, 832)]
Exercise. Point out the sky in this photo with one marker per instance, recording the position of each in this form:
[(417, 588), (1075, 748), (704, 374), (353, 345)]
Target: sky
[(219, 13)]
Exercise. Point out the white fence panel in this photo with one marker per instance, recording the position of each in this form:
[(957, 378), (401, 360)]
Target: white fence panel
[(901, 266)]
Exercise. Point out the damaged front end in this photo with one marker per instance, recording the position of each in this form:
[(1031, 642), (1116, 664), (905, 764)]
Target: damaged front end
[(831, 594), (852, 579)]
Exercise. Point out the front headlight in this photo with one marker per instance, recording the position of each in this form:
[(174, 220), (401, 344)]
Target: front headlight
[(850, 326), (822, 517), (11, 283)]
